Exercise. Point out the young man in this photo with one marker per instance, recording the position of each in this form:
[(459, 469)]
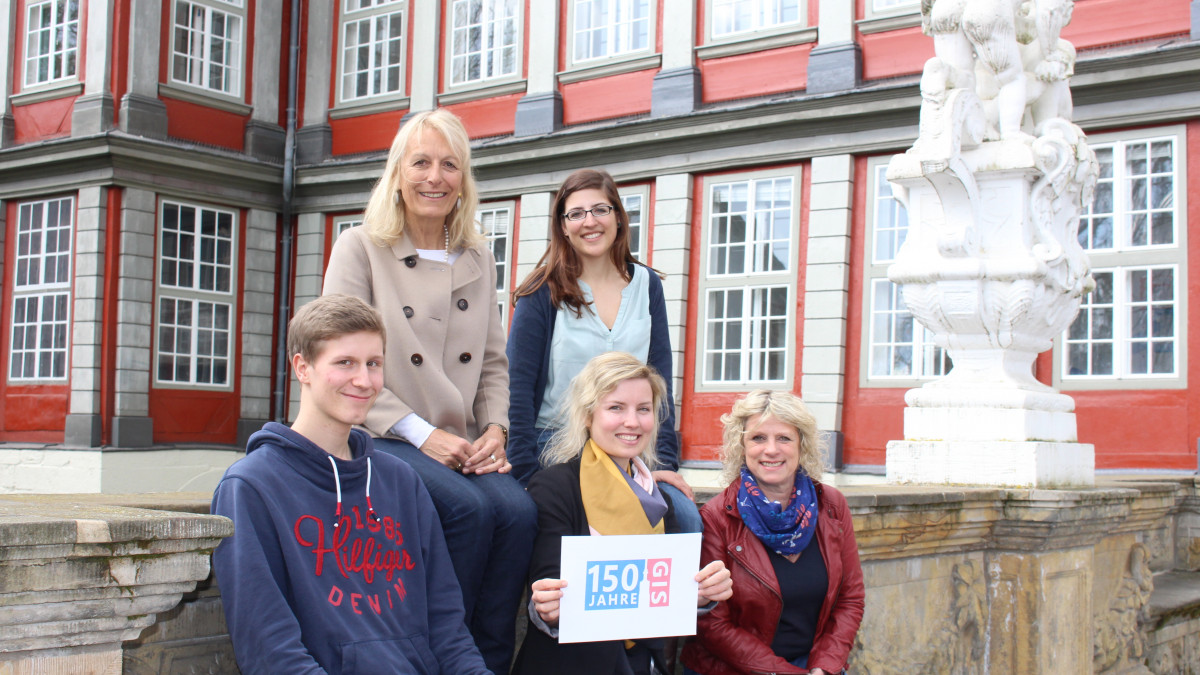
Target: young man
[(337, 562)]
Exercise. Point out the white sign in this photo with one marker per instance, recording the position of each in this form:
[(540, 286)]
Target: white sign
[(626, 587)]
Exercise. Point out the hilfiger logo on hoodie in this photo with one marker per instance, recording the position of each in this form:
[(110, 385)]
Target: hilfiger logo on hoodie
[(359, 546)]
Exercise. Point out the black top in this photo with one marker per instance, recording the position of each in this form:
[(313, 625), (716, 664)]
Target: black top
[(803, 585)]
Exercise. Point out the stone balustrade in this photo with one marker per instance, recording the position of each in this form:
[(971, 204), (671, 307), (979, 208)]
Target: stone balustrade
[(959, 580), (82, 574)]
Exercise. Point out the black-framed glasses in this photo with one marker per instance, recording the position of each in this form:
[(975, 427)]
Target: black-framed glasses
[(599, 210)]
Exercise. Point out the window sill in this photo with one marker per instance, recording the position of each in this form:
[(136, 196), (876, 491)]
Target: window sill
[(748, 44), (47, 92), (204, 98), (477, 90), (883, 24), (348, 110), (610, 67)]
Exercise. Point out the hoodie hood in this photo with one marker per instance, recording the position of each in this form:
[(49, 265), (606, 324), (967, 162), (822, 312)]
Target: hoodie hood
[(320, 468)]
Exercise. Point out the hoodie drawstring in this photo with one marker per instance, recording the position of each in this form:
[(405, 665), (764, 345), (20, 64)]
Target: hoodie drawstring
[(370, 509), (337, 482)]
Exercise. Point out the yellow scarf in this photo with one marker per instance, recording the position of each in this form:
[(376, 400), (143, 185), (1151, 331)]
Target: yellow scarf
[(608, 500)]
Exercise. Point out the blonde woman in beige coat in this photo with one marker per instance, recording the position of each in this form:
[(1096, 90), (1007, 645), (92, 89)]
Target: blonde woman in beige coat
[(420, 260)]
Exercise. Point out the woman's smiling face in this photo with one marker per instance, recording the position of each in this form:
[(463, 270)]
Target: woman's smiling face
[(772, 455), (593, 236), (431, 179), (623, 421)]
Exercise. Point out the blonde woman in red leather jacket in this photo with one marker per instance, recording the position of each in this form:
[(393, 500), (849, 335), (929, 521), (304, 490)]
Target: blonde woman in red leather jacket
[(806, 624)]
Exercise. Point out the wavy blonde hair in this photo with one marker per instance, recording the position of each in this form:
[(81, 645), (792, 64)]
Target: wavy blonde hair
[(385, 220), (598, 379), (783, 406)]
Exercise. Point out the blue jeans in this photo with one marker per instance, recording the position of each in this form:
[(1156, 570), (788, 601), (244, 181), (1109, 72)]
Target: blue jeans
[(687, 515), (489, 523)]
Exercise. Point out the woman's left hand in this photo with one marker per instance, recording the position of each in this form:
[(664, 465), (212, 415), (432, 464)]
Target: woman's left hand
[(489, 454), (715, 583)]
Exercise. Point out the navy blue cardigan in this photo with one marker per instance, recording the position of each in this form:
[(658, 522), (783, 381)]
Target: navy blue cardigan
[(529, 365)]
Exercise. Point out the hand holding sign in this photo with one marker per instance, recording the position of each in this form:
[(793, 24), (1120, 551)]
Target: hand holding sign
[(629, 587)]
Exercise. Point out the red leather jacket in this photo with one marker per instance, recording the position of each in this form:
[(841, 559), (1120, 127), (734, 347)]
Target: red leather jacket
[(735, 637)]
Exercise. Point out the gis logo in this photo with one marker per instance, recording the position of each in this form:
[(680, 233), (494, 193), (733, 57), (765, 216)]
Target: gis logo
[(628, 584)]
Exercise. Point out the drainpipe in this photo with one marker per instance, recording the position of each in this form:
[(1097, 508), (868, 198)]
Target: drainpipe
[(283, 311)]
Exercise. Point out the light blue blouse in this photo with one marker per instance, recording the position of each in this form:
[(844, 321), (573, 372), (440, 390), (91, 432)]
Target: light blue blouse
[(577, 339)]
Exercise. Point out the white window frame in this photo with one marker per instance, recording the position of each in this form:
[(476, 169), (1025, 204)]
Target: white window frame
[(749, 283), (41, 276), (370, 13), (487, 216), (490, 49), (55, 45), (888, 326), (172, 260), (198, 54), (876, 9), (761, 25), (639, 221), (1125, 259), (622, 7), (343, 223)]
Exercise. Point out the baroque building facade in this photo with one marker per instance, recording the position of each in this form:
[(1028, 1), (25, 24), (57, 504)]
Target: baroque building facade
[(174, 172)]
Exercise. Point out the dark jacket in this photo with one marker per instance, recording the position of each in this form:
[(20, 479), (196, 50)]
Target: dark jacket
[(528, 352), (374, 595), (735, 637), (556, 492)]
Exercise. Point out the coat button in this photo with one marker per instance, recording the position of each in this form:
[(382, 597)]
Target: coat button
[(408, 312), (417, 359), (463, 304), (411, 261), (465, 357), (737, 548)]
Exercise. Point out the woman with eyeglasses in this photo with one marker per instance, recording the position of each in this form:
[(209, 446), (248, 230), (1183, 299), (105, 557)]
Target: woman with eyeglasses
[(419, 259), (588, 295)]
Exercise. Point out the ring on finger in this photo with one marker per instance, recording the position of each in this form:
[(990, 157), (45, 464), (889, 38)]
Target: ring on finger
[(493, 456)]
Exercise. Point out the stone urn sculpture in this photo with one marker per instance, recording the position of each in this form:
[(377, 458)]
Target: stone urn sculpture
[(994, 186)]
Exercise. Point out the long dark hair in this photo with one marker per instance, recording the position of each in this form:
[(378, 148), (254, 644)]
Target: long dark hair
[(560, 266)]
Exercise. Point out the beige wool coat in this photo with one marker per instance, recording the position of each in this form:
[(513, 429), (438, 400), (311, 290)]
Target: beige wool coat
[(444, 356)]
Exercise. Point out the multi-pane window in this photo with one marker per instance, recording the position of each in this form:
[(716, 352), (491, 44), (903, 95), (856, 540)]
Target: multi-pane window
[(606, 28), (899, 346), (495, 220), (41, 291), (635, 207), (749, 277), (206, 45), (1130, 325), (732, 17), (483, 40), (51, 40), (340, 225), (195, 297), (372, 48), (882, 6)]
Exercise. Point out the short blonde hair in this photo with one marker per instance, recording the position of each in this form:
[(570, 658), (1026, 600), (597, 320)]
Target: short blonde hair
[(327, 318), (783, 406), (384, 219), (598, 379)]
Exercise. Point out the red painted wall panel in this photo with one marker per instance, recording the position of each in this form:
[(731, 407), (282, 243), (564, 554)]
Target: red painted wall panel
[(1155, 438), (607, 97), (189, 416), (755, 74), (202, 124), (42, 120), (488, 116), (894, 53), (365, 134), (1104, 22)]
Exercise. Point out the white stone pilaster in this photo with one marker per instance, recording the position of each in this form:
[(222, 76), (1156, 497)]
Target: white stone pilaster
[(534, 235), (8, 71), (268, 26), (258, 305), (135, 311), (310, 264), (826, 292), (671, 254), (543, 46), (835, 22), (88, 300), (424, 68), (93, 111)]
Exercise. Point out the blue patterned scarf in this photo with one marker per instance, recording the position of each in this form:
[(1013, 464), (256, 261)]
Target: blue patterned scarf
[(783, 530)]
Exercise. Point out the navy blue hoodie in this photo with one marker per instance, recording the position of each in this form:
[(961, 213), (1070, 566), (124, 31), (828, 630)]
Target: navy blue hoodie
[(336, 566)]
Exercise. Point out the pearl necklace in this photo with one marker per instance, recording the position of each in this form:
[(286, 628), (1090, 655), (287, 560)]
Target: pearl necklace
[(446, 234)]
